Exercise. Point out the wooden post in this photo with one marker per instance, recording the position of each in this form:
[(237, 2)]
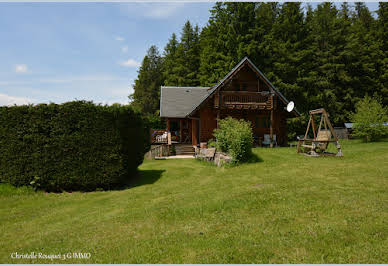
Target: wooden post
[(313, 126), (271, 125), (180, 130), (169, 138), (168, 125), (218, 117), (307, 130), (194, 132)]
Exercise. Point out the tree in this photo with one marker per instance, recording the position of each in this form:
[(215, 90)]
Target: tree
[(183, 58), (382, 37), (147, 85), (170, 62), (370, 119), (289, 51), (219, 44)]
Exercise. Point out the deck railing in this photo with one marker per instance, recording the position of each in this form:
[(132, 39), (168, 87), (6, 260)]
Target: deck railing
[(158, 136), (162, 150), (244, 98)]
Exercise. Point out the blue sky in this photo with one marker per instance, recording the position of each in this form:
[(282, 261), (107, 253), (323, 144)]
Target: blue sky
[(58, 52)]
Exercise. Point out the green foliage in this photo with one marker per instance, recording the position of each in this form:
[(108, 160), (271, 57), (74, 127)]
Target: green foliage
[(211, 143), (147, 85), (173, 150), (297, 126), (182, 60), (325, 57), (73, 146), (370, 118), (235, 137)]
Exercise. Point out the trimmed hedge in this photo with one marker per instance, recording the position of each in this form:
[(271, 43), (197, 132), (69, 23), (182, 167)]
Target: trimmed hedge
[(73, 146)]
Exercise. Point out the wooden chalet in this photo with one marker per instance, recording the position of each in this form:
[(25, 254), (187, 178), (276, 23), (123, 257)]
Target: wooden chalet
[(191, 113)]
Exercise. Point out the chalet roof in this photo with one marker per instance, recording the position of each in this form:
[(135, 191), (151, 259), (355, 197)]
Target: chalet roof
[(244, 61), (180, 101)]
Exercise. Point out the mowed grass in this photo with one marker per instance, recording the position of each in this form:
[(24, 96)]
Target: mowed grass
[(286, 208)]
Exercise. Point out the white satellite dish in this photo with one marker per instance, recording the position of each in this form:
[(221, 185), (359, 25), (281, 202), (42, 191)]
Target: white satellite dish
[(290, 106)]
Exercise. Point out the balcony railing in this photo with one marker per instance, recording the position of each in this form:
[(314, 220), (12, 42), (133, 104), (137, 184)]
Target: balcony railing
[(243, 99)]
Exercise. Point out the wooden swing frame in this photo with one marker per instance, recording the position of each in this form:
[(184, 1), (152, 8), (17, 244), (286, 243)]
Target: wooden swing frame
[(322, 137)]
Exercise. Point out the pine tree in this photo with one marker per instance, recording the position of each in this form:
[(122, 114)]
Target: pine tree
[(328, 66), (185, 61), (147, 85), (170, 62), (218, 44), (382, 38), (289, 43)]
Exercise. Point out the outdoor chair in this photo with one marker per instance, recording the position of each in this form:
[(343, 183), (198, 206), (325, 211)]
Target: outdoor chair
[(162, 138), (267, 140)]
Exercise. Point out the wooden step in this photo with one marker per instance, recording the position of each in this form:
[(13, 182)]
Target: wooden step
[(307, 146), (184, 149)]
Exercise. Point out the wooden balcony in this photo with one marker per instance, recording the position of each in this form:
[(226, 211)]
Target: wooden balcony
[(243, 100)]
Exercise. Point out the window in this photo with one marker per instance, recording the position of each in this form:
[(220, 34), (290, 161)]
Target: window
[(244, 87), (237, 87)]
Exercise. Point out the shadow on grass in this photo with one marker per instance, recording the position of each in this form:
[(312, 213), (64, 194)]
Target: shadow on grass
[(146, 177), (255, 159)]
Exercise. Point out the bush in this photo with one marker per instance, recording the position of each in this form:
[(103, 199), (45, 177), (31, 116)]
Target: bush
[(73, 146), (370, 119), (235, 137)]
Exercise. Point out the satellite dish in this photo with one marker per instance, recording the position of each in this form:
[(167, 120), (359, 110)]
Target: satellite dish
[(290, 106)]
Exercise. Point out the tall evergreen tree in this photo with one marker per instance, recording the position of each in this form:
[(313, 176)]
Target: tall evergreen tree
[(218, 43), (289, 43), (184, 71), (170, 62), (147, 85), (382, 37)]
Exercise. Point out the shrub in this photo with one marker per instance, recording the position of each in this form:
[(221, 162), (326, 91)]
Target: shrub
[(73, 146), (370, 119), (235, 137), (211, 143)]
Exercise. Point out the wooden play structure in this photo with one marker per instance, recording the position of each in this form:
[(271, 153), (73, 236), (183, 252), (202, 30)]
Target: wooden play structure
[(325, 134)]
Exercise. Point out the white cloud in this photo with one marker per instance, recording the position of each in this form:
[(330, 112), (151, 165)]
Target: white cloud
[(119, 38), (12, 100), (163, 10), (130, 63), (124, 49), (65, 79), (72, 79), (21, 68)]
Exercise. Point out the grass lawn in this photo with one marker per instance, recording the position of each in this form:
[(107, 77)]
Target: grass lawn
[(287, 208)]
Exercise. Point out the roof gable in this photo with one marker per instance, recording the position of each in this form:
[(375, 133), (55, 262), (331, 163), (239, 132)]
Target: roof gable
[(243, 62)]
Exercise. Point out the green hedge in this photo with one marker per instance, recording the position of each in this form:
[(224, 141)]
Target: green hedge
[(73, 146)]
